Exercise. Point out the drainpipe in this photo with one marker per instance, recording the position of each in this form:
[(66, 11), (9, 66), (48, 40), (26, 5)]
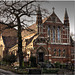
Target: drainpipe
[(47, 48)]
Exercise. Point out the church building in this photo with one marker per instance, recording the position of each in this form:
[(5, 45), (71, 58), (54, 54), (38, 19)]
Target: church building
[(49, 41), (53, 41)]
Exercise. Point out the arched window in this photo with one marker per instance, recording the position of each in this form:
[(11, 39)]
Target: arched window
[(54, 52), (48, 31), (59, 51), (58, 31), (54, 34), (63, 52)]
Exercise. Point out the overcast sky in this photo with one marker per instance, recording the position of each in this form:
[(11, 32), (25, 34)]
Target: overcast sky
[(60, 6), (60, 10)]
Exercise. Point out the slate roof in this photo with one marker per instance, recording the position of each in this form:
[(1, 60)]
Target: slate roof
[(9, 36)]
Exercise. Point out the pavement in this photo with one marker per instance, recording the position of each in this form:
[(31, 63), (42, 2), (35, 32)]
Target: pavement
[(4, 72), (65, 72)]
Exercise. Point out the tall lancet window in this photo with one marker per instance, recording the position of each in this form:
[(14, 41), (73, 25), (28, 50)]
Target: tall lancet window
[(53, 33), (54, 52), (48, 31), (58, 30), (63, 52), (59, 51)]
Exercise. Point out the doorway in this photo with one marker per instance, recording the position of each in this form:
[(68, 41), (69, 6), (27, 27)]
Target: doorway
[(41, 57)]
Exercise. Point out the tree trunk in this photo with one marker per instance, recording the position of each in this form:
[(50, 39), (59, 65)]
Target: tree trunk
[(20, 53)]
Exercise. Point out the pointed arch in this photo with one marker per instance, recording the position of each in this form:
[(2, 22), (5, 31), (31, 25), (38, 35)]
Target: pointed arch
[(41, 49)]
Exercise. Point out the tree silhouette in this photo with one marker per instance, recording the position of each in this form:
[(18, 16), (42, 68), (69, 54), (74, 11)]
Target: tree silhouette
[(12, 14)]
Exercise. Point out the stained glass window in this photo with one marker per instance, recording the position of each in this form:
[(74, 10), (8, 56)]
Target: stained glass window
[(53, 34), (48, 31), (63, 52), (58, 31), (59, 52), (54, 52)]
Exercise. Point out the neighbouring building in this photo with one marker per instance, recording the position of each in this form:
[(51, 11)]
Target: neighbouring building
[(49, 41), (2, 46), (8, 38)]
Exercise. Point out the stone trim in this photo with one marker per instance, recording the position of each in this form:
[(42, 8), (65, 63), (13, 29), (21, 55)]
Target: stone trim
[(55, 22), (73, 59), (41, 44), (41, 37), (48, 55), (57, 57), (61, 43)]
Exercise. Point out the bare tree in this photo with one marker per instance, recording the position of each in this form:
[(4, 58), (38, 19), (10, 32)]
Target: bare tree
[(12, 14)]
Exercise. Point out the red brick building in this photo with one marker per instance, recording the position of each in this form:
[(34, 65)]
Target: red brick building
[(48, 40), (53, 43)]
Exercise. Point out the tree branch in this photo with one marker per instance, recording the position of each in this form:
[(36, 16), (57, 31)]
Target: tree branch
[(27, 4), (9, 25)]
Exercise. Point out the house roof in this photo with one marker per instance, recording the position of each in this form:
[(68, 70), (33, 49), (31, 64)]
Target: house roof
[(8, 32), (9, 36)]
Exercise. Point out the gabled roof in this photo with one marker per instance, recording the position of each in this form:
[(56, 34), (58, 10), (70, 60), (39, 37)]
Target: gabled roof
[(29, 40), (32, 28), (53, 15), (8, 32), (29, 35)]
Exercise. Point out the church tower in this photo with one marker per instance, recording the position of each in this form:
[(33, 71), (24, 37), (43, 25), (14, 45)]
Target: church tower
[(39, 19), (66, 18)]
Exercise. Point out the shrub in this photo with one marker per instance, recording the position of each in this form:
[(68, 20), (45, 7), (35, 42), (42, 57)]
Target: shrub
[(57, 64), (9, 59), (50, 71), (12, 58), (63, 66)]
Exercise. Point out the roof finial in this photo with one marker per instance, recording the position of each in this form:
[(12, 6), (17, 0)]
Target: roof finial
[(53, 9), (38, 6)]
